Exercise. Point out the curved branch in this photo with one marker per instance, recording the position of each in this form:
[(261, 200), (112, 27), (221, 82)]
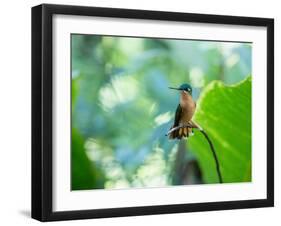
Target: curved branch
[(195, 126), (214, 154)]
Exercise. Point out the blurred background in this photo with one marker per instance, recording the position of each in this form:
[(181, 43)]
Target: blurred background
[(122, 107)]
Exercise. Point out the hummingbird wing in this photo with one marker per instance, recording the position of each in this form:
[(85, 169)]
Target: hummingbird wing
[(178, 113), (177, 116)]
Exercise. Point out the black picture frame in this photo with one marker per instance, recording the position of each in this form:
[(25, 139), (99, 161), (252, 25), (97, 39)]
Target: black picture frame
[(42, 107)]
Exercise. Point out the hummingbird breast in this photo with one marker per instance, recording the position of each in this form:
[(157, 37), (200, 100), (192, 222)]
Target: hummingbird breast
[(188, 107)]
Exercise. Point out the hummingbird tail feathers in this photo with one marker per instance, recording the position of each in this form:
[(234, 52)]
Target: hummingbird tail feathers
[(180, 133)]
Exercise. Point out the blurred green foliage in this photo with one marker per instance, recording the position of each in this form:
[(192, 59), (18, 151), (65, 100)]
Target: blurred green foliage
[(122, 108), (84, 174)]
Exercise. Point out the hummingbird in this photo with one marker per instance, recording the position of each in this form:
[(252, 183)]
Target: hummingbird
[(184, 113)]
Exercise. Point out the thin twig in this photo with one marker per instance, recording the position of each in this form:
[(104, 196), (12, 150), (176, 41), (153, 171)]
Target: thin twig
[(214, 155), (195, 126)]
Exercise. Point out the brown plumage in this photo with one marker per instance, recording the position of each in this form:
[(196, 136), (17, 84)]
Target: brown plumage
[(184, 114)]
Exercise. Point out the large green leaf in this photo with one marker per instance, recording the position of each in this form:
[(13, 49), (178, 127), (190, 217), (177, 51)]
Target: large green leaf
[(224, 112)]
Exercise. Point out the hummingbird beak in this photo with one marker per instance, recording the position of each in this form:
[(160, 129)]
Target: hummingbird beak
[(174, 88)]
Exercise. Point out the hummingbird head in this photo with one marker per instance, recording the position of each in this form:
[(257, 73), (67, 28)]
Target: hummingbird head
[(184, 87)]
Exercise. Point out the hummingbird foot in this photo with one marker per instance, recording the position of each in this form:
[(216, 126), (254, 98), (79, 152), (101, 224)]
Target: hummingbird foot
[(196, 125)]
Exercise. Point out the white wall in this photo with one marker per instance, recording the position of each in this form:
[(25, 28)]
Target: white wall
[(15, 116)]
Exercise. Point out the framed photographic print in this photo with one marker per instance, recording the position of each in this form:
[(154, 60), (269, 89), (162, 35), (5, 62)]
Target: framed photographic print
[(140, 112)]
